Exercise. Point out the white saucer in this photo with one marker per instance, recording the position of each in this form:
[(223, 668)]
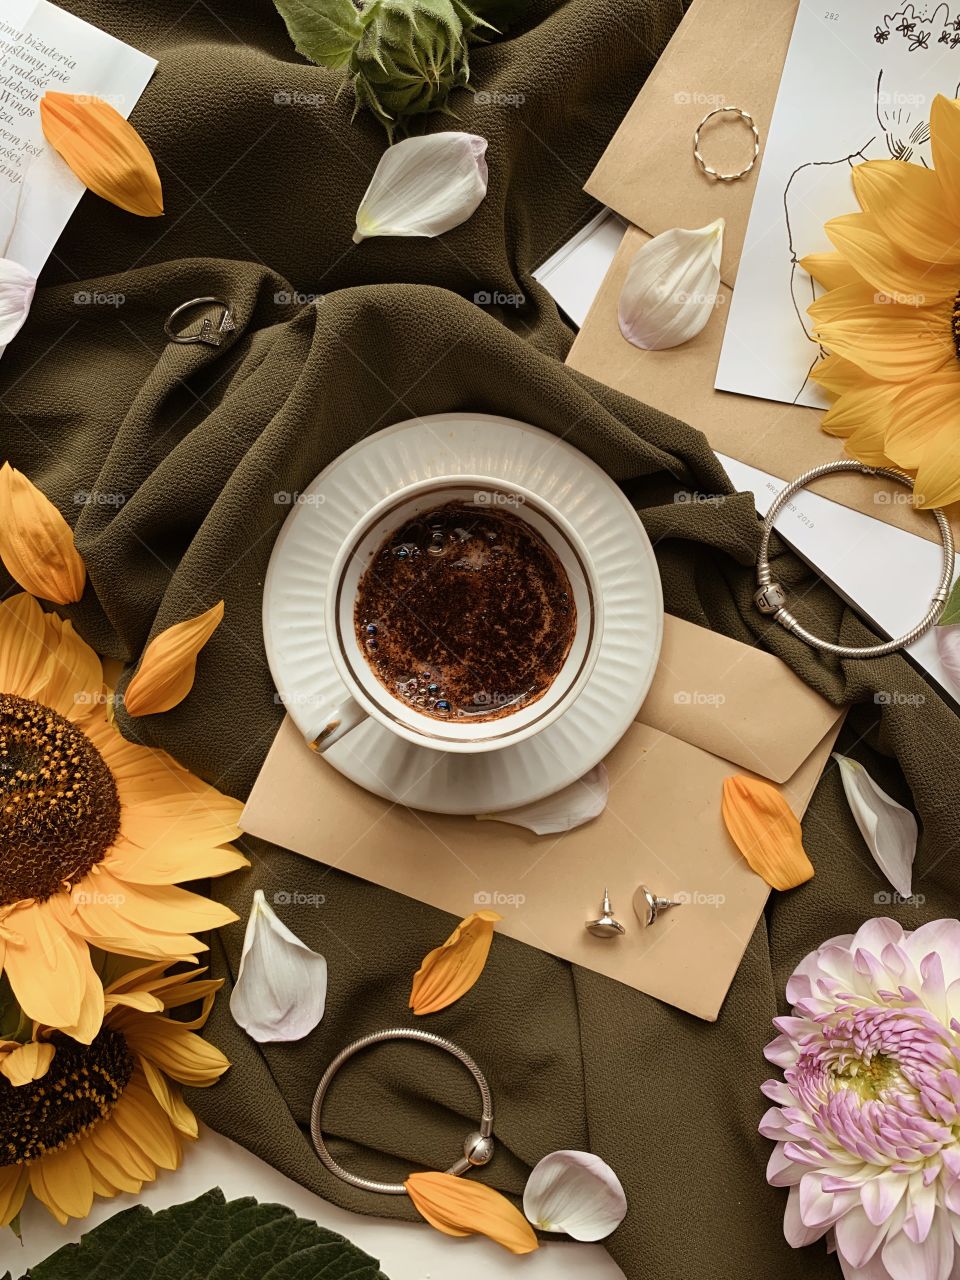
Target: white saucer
[(440, 445)]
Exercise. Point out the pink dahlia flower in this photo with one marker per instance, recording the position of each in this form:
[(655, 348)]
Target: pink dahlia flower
[(867, 1121)]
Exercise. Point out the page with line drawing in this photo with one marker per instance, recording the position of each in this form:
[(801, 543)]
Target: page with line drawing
[(857, 85)]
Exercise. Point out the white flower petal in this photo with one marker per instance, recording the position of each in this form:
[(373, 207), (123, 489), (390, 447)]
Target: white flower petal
[(948, 646), (581, 802), (17, 287), (575, 1192), (889, 830), (281, 989), (671, 287), (424, 186)]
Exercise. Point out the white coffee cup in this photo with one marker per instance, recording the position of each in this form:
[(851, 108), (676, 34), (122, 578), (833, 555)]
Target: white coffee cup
[(364, 695)]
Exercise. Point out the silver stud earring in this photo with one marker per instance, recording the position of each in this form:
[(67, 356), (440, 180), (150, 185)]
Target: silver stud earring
[(648, 906), (606, 924)]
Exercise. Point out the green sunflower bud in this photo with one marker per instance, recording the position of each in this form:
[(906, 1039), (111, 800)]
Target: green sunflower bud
[(404, 57)]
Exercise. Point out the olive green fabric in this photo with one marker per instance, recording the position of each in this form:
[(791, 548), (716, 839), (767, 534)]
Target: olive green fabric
[(172, 462)]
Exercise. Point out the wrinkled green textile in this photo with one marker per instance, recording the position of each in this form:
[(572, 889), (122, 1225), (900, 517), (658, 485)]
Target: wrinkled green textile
[(184, 449)]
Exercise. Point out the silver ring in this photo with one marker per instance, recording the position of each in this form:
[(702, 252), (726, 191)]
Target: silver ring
[(771, 596), (209, 333), (477, 1147), (708, 169)]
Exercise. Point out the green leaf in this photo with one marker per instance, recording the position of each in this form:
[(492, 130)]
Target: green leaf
[(951, 610), (209, 1239), (325, 31)]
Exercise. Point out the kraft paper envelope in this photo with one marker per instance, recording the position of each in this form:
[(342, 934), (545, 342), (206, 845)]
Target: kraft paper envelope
[(662, 826), (724, 53)]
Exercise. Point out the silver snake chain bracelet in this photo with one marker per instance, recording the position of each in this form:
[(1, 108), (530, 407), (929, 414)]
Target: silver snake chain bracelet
[(478, 1145), (771, 597)]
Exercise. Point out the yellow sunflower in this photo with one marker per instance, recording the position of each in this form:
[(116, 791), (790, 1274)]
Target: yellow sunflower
[(95, 831), (891, 316), (79, 1120)]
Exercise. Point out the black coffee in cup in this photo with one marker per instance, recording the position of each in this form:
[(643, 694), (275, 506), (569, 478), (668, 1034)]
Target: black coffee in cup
[(466, 613)]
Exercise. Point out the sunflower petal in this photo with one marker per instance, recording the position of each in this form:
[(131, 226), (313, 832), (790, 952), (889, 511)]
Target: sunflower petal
[(861, 418), (923, 437), (48, 967), (450, 970), (36, 543), (182, 1055), (72, 681), (23, 645), (765, 830), (831, 270), (14, 1184), (945, 145), (458, 1207), (143, 1122), (906, 203), (895, 274), (103, 150), (179, 1114), (888, 341), (63, 1183), (27, 1062), (169, 664), (837, 375)]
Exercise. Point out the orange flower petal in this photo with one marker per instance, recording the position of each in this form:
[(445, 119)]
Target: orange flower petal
[(890, 342), (169, 664), (945, 144), (861, 418), (765, 830), (459, 1207), (27, 1062), (14, 1182), (830, 269), (884, 265), (36, 543), (47, 967), (837, 375), (907, 204), (103, 150), (450, 971)]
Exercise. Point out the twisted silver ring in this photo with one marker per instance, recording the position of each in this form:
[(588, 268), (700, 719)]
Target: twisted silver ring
[(708, 169), (771, 597), (478, 1145)]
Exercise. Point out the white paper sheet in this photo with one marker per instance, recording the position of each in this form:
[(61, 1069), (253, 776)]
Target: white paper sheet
[(857, 84), (41, 48)]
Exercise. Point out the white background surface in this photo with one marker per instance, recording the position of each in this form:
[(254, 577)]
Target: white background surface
[(406, 1250)]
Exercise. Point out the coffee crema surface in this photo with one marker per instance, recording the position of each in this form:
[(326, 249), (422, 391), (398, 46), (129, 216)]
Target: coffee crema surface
[(466, 612)]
